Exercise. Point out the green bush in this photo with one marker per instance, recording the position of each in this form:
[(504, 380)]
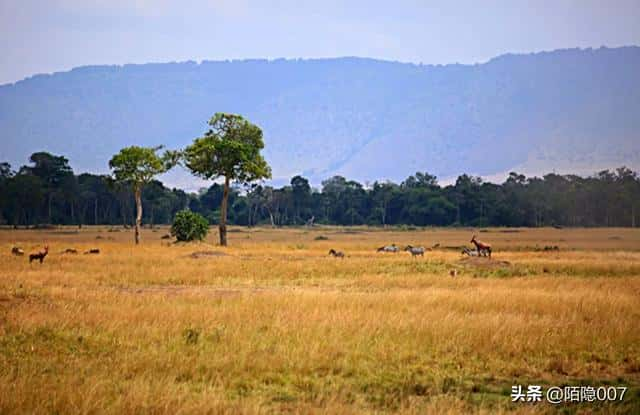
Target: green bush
[(189, 226)]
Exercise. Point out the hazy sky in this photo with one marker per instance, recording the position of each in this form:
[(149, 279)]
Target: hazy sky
[(38, 36)]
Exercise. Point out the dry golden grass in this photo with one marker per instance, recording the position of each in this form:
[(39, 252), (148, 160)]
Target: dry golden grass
[(274, 324)]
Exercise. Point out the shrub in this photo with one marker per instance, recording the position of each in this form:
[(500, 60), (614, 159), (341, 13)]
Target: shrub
[(189, 226)]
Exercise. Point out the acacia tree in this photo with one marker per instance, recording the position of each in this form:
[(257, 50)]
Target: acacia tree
[(229, 149), (137, 166)]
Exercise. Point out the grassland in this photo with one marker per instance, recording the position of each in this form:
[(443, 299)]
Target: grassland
[(272, 324)]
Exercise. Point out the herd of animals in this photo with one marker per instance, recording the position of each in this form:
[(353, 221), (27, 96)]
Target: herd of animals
[(482, 249), (41, 255)]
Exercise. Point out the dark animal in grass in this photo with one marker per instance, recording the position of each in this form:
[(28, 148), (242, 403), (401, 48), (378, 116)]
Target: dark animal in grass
[(483, 249), (336, 254), (92, 251), (39, 256), (17, 251), (70, 251), (415, 250), (389, 248)]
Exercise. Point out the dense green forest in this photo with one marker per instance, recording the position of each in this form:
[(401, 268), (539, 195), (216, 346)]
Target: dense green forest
[(46, 191)]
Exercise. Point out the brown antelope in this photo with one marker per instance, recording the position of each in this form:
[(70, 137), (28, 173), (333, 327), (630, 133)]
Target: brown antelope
[(17, 251), (40, 255), (336, 254), (92, 251), (482, 248)]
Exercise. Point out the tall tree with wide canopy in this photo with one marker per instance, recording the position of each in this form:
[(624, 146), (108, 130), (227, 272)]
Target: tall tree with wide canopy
[(137, 166), (229, 149)]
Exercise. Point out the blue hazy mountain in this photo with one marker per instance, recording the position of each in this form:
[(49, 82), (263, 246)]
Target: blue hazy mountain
[(566, 110)]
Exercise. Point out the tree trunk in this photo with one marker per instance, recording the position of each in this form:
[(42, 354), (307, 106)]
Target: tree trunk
[(223, 213), (95, 212), (273, 223), (138, 195), (50, 199)]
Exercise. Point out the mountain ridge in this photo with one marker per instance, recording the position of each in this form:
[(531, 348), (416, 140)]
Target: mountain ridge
[(364, 118)]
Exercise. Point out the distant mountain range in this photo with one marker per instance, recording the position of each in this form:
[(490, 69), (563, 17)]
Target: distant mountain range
[(575, 110)]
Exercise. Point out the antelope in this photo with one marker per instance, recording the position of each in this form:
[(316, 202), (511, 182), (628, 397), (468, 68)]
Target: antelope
[(415, 250), (336, 254), (483, 249), (17, 251), (70, 251), (389, 248), (92, 251), (40, 255)]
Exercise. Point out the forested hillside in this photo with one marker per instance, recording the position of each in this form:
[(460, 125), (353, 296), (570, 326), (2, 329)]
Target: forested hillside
[(47, 191), (569, 111)]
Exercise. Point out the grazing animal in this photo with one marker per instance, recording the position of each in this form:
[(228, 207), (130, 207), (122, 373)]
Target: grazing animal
[(92, 251), (40, 255), (389, 248), (483, 249), (469, 251), (70, 251), (17, 251), (415, 250), (336, 254)]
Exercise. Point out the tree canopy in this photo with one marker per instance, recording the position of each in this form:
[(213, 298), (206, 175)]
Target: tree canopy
[(230, 148)]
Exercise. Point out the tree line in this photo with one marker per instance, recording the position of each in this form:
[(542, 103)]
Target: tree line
[(46, 191)]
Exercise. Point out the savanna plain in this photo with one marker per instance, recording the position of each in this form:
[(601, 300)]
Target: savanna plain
[(273, 324)]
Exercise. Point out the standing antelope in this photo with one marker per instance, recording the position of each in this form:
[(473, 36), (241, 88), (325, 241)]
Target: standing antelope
[(17, 251), (415, 250), (482, 248), (336, 254), (40, 255)]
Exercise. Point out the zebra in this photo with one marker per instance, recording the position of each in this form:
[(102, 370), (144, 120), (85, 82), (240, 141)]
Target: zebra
[(469, 252), (389, 248), (336, 254), (415, 250)]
